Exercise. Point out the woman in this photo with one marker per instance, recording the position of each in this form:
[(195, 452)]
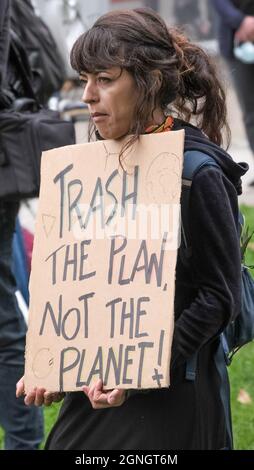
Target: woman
[(133, 68)]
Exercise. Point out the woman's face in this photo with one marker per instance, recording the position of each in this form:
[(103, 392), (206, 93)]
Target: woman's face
[(111, 95)]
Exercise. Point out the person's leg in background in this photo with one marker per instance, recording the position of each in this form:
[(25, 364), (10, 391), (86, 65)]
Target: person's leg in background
[(243, 78), (20, 262), (23, 425)]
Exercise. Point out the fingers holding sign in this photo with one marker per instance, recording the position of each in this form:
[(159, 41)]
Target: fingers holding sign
[(100, 398), (38, 396)]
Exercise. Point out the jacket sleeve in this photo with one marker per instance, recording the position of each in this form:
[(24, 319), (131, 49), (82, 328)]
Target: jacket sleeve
[(4, 37), (216, 263), (229, 13)]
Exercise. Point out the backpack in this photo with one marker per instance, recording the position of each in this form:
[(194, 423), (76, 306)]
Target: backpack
[(45, 61), (26, 130), (241, 330)]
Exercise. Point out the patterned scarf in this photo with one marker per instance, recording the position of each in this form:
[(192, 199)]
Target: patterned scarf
[(166, 126)]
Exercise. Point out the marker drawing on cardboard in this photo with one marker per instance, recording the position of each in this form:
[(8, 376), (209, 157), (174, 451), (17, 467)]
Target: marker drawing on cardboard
[(103, 268)]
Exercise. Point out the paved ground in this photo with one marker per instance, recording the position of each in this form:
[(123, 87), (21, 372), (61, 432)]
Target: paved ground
[(239, 148)]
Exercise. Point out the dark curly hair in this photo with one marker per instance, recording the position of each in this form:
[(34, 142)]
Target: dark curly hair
[(139, 41)]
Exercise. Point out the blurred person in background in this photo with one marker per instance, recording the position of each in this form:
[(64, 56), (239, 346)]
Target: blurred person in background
[(236, 27), (23, 426), (45, 67), (194, 16)]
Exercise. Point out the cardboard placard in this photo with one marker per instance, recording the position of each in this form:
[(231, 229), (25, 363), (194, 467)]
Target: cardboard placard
[(103, 267)]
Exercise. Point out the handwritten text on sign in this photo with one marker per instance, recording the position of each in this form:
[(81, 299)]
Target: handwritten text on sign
[(103, 270)]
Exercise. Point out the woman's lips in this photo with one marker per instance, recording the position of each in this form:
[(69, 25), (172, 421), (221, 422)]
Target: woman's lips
[(98, 117)]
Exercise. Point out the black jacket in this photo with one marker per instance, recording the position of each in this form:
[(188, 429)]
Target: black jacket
[(213, 295), (188, 414)]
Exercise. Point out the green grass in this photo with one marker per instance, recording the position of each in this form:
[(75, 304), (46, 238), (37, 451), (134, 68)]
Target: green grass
[(241, 374), (249, 216)]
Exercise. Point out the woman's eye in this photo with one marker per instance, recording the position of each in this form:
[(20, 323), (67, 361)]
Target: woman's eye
[(104, 79), (83, 82)]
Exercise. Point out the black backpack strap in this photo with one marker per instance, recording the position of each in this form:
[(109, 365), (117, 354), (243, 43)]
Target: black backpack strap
[(220, 364), (191, 366), (193, 162)]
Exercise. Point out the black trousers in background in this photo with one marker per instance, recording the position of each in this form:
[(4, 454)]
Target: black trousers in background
[(23, 425), (243, 79)]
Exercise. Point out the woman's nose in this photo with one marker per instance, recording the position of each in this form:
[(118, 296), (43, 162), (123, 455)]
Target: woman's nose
[(90, 94)]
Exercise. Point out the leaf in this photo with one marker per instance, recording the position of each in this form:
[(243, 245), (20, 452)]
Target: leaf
[(246, 236), (244, 397)]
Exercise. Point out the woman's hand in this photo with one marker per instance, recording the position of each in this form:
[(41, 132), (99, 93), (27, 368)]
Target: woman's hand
[(100, 398), (39, 396)]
